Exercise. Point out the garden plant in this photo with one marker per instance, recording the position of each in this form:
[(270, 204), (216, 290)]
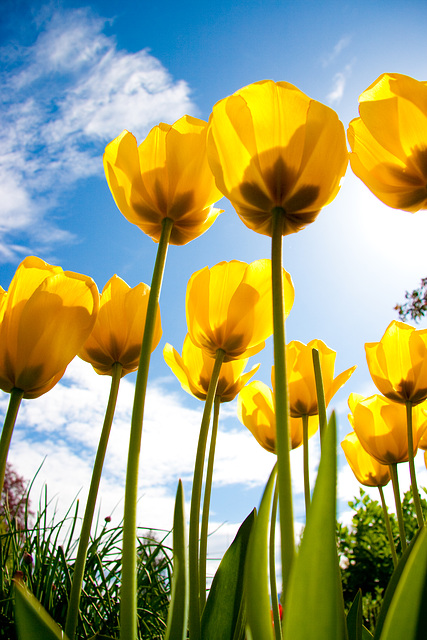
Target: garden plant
[(279, 157)]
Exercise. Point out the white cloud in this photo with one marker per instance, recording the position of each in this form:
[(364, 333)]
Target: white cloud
[(63, 99), (339, 46), (339, 82)]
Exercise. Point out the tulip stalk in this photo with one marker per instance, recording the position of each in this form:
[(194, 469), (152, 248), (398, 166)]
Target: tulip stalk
[(195, 609), (399, 512), (272, 560), (388, 527), (307, 495), (281, 402), (128, 603), (320, 391), (416, 496), (206, 504), (16, 396), (76, 585)]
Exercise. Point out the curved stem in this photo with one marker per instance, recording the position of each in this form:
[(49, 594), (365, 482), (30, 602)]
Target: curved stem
[(399, 512), (16, 396), (416, 495), (79, 567), (320, 391), (128, 604), (206, 504), (287, 537), (307, 495), (388, 527), (194, 616), (272, 559)]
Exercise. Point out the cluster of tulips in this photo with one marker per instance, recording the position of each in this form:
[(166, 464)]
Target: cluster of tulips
[(279, 157)]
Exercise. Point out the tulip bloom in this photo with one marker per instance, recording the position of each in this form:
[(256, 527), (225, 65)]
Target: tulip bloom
[(229, 307), (194, 371), (270, 146), (367, 470), (389, 141), (167, 176), (45, 317), (119, 329), (301, 380), (380, 425), (398, 363), (255, 409)]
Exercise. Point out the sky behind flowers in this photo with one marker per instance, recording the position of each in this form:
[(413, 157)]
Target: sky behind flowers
[(73, 76)]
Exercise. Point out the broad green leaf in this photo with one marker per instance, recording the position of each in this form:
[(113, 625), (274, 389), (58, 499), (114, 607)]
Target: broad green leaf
[(258, 607), (366, 634), (407, 614), (32, 621), (221, 613), (355, 619), (178, 608), (314, 608)]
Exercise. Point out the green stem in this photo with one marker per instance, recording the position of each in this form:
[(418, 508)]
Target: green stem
[(306, 466), (320, 391), (287, 537), (416, 495), (388, 527), (79, 567), (206, 504), (272, 558), (128, 603), (194, 616), (399, 512), (16, 396)]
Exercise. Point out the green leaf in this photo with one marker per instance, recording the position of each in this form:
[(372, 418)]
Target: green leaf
[(32, 621), (366, 634), (355, 619), (178, 609), (258, 607), (314, 607), (407, 614), (221, 613)]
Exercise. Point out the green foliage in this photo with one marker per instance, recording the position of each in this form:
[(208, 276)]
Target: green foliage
[(364, 551), (42, 556), (416, 305)]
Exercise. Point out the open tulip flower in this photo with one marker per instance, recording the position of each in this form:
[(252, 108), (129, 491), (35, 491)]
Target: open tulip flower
[(367, 470), (167, 176), (255, 408), (45, 317), (389, 141), (380, 425), (271, 146), (119, 329), (398, 363), (194, 371), (229, 307), (301, 380)]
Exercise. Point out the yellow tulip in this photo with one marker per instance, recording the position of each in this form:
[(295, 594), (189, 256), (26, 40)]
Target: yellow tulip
[(367, 470), (167, 176), (301, 381), (119, 329), (255, 409), (389, 141), (229, 307), (194, 371), (380, 424), (270, 145), (45, 317), (398, 363)]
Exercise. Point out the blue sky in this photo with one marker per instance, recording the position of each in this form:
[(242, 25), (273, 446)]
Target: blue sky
[(73, 76)]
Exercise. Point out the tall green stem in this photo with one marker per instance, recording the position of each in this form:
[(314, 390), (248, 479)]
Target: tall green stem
[(320, 391), (206, 504), (128, 603), (399, 512), (79, 567), (194, 616), (416, 495), (306, 464), (272, 560), (287, 537), (388, 527), (16, 396)]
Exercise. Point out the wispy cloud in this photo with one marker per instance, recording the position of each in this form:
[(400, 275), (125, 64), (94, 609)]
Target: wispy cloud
[(330, 57), (339, 82), (63, 98)]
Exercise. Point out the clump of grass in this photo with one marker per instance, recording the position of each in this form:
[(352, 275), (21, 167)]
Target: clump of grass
[(42, 554)]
